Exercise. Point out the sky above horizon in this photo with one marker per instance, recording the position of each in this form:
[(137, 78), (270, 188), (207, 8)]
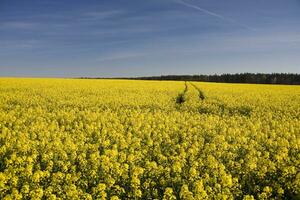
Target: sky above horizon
[(117, 38)]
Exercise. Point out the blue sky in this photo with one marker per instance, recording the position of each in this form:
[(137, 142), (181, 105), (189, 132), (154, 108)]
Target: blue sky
[(109, 38)]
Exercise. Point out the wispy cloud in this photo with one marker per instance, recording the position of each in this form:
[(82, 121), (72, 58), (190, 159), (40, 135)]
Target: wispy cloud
[(20, 44), (19, 25), (263, 43), (98, 15), (214, 14), (121, 56)]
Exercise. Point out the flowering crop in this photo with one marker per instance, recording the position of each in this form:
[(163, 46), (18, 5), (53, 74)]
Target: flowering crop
[(121, 139)]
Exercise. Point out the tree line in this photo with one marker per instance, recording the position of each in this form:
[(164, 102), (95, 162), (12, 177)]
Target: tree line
[(258, 78)]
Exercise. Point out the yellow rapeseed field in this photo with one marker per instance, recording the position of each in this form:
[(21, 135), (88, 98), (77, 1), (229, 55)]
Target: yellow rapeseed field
[(123, 139)]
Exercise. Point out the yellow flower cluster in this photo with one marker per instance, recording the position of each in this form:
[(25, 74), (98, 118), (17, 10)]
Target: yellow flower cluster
[(121, 139)]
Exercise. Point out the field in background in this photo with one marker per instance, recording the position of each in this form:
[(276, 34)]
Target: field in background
[(122, 139)]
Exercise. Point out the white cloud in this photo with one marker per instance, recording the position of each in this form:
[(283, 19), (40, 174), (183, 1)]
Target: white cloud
[(214, 14), (18, 25), (120, 56), (97, 15)]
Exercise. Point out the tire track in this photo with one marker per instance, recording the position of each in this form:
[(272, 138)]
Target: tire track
[(222, 107), (201, 94), (181, 97)]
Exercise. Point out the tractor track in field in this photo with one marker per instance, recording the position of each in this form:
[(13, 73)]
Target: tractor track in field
[(201, 94), (181, 97), (221, 106)]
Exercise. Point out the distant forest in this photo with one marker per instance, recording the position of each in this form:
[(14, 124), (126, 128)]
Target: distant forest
[(259, 78)]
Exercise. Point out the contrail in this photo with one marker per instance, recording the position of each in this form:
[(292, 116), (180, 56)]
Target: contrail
[(214, 14)]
